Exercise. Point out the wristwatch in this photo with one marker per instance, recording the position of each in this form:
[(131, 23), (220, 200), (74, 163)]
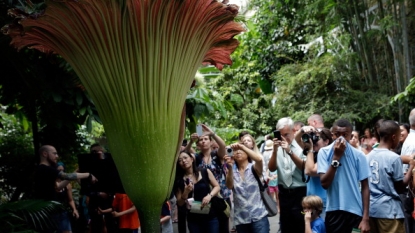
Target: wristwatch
[(290, 152), (335, 163)]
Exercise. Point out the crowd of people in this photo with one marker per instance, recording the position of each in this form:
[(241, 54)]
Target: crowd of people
[(103, 206), (326, 179), (323, 180)]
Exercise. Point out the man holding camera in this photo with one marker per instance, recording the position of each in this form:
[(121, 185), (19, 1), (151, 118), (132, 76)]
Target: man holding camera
[(288, 158)]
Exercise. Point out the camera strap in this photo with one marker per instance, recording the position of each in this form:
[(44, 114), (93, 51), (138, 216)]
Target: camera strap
[(305, 180)]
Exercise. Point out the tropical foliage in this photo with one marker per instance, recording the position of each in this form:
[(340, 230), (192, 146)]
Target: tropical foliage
[(137, 59), (339, 59), (28, 216)]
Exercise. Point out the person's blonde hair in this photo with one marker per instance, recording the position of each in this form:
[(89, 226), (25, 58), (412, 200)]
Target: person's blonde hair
[(313, 202), (253, 142)]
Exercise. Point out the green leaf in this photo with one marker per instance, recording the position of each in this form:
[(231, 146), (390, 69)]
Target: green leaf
[(208, 70), (237, 99), (266, 86), (82, 111), (25, 123)]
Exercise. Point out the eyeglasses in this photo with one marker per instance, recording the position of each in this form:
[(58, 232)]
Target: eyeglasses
[(183, 158)]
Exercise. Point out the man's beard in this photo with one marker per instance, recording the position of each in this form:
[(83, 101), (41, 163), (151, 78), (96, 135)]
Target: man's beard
[(52, 162)]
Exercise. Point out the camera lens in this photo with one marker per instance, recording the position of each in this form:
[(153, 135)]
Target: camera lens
[(229, 150), (305, 137)]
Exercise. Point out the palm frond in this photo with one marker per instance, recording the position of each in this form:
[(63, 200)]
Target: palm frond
[(28, 215)]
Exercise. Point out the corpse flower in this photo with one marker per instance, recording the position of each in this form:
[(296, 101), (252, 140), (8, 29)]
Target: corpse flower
[(137, 60)]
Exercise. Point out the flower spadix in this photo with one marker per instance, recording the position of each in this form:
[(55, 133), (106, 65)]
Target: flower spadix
[(137, 60)]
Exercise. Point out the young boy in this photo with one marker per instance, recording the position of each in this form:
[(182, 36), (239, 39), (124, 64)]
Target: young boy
[(387, 181), (165, 220), (312, 207), (124, 209)]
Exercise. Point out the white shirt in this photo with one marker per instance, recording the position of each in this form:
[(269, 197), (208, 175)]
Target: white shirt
[(289, 175), (408, 147)]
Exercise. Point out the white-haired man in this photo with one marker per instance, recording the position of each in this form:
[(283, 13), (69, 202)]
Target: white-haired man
[(287, 157)]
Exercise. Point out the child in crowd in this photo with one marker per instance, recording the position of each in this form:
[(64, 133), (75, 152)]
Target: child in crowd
[(165, 220), (273, 186), (387, 181), (312, 207), (124, 209)]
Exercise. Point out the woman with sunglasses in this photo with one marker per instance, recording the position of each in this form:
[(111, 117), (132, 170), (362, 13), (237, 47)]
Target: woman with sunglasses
[(311, 148), (250, 212), (189, 184)]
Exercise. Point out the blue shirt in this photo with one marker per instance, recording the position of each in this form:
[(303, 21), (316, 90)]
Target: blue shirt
[(386, 169), (317, 226), (314, 188), (344, 192)]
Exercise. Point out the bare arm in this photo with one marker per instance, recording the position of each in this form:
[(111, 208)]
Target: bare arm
[(272, 164), (183, 196), (128, 211), (165, 219), (67, 177), (400, 186), (214, 183), (73, 176), (258, 166), (181, 200), (310, 166), (406, 159), (298, 135), (218, 140), (215, 189), (327, 178), (295, 158), (193, 138), (109, 210), (364, 224), (229, 174), (71, 201)]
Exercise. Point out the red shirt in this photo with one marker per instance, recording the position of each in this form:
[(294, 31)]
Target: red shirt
[(120, 203)]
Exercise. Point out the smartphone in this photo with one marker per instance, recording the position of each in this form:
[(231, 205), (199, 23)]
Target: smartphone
[(277, 134), (229, 151), (199, 130), (187, 181)]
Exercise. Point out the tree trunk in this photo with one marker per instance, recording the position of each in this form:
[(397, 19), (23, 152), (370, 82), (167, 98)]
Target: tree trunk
[(402, 8)]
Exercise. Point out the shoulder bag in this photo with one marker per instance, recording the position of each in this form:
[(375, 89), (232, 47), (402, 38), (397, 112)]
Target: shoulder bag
[(269, 202), (218, 203)]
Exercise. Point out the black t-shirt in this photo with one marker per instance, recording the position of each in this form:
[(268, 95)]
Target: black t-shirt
[(45, 180)]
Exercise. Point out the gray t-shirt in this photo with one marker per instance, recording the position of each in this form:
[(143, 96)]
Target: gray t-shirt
[(386, 167)]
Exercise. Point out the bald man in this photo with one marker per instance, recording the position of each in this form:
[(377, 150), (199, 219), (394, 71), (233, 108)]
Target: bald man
[(316, 120), (47, 174)]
